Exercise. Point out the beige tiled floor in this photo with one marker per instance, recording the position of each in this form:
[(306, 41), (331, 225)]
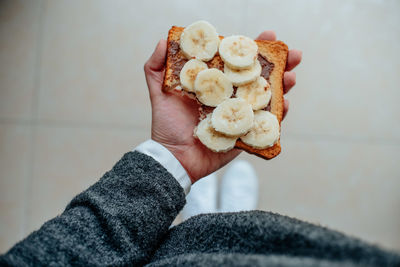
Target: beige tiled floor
[(73, 99), (75, 168), (19, 23), (15, 162)]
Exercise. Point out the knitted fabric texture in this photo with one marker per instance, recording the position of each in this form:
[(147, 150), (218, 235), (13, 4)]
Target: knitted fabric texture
[(124, 220)]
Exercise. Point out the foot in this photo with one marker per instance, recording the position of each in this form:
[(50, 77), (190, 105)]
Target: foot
[(202, 197), (239, 188)]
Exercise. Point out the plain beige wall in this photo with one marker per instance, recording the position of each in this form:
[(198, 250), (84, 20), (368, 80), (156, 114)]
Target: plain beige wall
[(73, 99)]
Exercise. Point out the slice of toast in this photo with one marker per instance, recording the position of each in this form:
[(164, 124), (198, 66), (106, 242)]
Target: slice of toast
[(272, 56)]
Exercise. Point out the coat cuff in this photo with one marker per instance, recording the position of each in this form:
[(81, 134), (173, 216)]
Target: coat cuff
[(167, 160)]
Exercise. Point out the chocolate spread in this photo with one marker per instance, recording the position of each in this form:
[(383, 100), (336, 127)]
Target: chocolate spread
[(266, 67), (177, 59)]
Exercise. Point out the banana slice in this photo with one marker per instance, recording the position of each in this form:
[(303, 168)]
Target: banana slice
[(199, 40), (238, 52), (265, 131), (257, 94), (212, 139), (244, 76), (212, 87), (233, 117), (189, 72)]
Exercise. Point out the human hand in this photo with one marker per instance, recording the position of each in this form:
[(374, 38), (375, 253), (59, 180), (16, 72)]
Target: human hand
[(174, 117), (289, 77)]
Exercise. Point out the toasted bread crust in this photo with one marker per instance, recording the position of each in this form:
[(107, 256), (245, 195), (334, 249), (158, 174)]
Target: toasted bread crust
[(274, 52)]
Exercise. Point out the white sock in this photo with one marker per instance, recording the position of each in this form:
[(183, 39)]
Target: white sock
[(239, 188), (202, 197)]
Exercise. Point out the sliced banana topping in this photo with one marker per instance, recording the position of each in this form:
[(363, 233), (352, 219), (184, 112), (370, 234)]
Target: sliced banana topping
[(233, 117), (199, 40), (212, 139), (257, 93), (244, 76), (189, 72), (265, 131), (238, 51), (212, 87)]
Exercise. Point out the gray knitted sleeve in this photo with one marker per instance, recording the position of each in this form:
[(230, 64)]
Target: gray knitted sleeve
[(117, 221)]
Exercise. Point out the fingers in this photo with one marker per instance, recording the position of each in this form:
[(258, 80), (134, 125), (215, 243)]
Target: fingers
[(294, 58), (267, 35), (285, 108), (157, 60), (289, 80)]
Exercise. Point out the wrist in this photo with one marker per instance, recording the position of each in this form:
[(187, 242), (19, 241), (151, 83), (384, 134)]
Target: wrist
[(178, 152), (168, 160)]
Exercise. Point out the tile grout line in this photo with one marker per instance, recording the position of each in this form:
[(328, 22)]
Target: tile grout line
[(71, 124), (132, 127), (342, 139), (32, 122)]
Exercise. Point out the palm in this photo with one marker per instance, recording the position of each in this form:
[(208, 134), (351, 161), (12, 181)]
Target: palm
[(173, 124), (174, 116)]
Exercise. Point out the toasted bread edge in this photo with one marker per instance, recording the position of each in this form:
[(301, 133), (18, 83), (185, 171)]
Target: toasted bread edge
[(275, 52)]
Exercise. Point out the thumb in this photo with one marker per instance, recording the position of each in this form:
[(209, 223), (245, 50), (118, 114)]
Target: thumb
[(154, 68), (157, 59)]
